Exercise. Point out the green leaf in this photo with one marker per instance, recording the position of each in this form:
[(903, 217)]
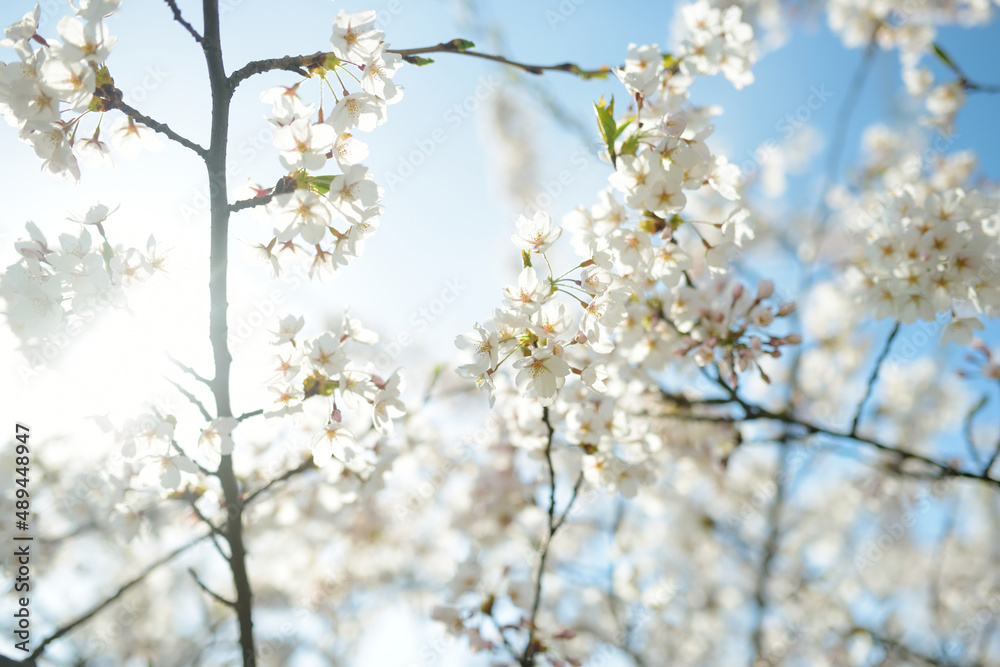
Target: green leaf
[(621, 128), (418, 60), (320, 184), (525, 259), (631, 145), (669, 61), (606, 123), (462, 44)]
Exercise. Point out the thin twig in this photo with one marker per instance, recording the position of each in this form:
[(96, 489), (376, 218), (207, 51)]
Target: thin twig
[(193, 399), (115, 102), (262, 200), (69, 627), (456, 46), (180, 450), (307, 464), (967, 430), (202, 586), (190, 371), (963, 80), (248, 415), (993, 459), (302, 64), (527, 658), (872, 378), (216, 531), (903, 650), (755, 413), (180, 19)]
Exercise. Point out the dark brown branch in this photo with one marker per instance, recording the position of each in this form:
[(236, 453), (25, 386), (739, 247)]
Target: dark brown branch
[(216, 531), (296, 64), (307, 464), (457, 46), (69, 627), (302, 64), (894, 646), (115, 102), (262, 200), (180, 19), (527, 658), (202, 586), (872, 378), (755, 413)]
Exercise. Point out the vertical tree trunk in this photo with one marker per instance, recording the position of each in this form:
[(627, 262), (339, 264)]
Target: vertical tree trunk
[(219, 198)]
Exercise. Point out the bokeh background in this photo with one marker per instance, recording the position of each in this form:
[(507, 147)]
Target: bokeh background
[(471, 146)]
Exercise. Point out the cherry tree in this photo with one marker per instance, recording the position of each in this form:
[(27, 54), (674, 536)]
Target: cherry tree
[(694, 453)]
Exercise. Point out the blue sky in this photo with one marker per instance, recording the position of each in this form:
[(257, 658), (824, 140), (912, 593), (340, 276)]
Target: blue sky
[(446, 226)]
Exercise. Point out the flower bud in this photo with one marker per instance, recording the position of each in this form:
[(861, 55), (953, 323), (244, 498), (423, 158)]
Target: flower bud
[(765, 288), (786, 309)]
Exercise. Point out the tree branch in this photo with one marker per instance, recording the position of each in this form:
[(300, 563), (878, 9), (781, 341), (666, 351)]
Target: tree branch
[(307, 464), (202, 586), (69, 627), (115, 102), (296, 64), (190, 371), (755, 413), (193, 399), (180, 19), (459, 46), (302, 64), (872, 378), (963, 80), (527, 658)]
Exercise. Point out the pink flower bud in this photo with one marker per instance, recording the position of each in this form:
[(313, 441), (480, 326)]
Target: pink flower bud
[(786, 309), (765, 288), (737, 291)]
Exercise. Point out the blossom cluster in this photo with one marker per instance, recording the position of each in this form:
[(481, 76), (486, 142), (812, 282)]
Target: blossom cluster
[(635, 295), (320, 366), (305, 368), (57, 289), (62, 77), (930, 238), (717, 40), (306, 206)]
